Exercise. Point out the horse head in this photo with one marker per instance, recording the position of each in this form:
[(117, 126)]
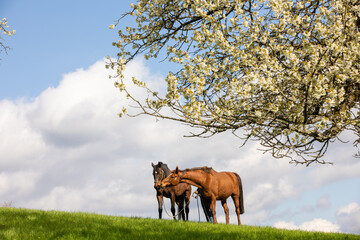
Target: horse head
[(173, 179), (159, 174)]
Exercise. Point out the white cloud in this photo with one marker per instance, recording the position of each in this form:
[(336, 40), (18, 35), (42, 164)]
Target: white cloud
[(318, 225), (68, 150), (286, 225), (348, 218), (321, 225), (15, 184), (81, 109), (19, 142), (345, 166), (115, 198)]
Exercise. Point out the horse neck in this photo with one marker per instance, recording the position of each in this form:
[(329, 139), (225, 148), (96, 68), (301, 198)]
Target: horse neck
[(194, 177), (166, 171)]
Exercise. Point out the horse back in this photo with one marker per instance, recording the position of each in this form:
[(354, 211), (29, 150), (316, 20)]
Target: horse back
[(227, 184)]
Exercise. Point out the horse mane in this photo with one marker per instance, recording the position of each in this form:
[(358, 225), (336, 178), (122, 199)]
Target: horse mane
[(204, 168)]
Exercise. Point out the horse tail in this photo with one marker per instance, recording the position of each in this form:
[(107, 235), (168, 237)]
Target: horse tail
[(241, 197)]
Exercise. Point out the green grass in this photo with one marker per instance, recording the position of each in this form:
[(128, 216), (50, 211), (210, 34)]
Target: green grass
[(25, 224)]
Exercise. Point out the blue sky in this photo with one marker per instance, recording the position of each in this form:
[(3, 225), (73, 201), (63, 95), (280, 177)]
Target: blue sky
[(54, 38), (63, 147)]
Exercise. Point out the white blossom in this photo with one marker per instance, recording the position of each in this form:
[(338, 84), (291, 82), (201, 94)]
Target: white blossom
[(285, 72)]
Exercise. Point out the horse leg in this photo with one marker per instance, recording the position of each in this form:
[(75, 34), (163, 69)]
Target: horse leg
[(213, 208), (237, 207), (205, 203), (183, 209), (226, 210), (187, 203), (160, 204), (172, 198), (181, 214)]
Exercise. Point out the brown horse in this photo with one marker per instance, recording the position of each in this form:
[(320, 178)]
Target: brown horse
[(179, 194), (213, 186)]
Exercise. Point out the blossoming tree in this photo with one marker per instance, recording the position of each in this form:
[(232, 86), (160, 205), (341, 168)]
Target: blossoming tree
[(5, 31), (283, 72)]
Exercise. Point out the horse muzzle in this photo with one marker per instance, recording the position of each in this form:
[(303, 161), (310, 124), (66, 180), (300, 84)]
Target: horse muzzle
[(164, 184), (157, 186)]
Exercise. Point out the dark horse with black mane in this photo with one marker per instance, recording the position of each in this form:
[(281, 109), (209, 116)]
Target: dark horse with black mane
[(213, 186), (180, 193)]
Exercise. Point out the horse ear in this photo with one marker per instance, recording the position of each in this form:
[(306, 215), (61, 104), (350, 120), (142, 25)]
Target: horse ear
[(177, 170), (152, 165)]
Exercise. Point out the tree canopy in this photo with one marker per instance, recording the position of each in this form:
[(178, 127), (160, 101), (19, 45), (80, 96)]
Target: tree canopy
[(282, 72), (5, 31)]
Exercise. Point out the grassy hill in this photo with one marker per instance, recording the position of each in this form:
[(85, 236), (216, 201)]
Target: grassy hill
[(25, 224)]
